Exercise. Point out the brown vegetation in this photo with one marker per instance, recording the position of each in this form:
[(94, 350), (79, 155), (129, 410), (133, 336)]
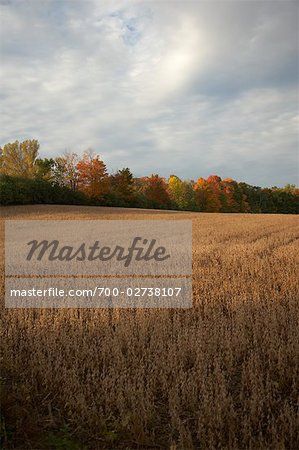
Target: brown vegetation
[(223, 374)]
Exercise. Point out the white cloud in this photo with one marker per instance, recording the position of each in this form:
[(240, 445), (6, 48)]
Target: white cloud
[(191, 88)]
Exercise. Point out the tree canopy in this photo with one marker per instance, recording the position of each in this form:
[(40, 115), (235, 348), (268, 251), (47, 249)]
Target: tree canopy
[(70, 178)]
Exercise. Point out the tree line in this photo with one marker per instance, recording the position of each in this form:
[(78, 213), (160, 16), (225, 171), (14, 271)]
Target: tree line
[(71, 179)]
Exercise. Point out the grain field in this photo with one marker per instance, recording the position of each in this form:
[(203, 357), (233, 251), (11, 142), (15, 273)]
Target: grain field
[(221, 375)]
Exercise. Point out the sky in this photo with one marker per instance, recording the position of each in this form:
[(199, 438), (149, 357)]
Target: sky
[(168, 87)]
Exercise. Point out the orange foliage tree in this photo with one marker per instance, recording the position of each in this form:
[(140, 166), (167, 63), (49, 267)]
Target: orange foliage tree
[(207, 194), (92, 176), (65, 171), (233, 199), (154, 188)]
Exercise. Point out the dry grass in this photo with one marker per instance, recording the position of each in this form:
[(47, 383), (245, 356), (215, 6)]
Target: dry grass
[(221, 375)]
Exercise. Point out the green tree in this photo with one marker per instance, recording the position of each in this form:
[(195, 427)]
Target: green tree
[(44, 168), (233, 199), (122, 187), (207, 194)]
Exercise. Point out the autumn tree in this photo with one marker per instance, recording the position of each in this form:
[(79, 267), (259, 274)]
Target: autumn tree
[(154, 189), (18, 158), (92, 176), (201, 194), (181, 193), (207, 194), (227, 198), (65, 171)]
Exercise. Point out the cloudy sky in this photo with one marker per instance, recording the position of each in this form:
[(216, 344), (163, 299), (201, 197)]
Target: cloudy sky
[(163, 87)]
